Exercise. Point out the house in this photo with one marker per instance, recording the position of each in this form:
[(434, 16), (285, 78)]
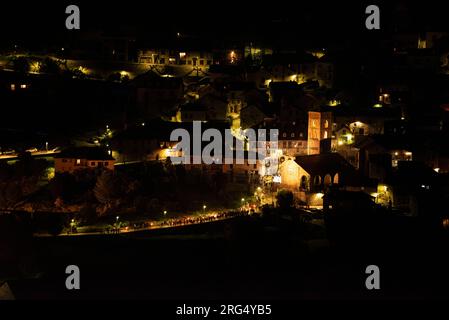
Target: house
[(238, 169), (347, 202), (156, 95), (311, 175), (239, 95), (380, 153), (412, 188), (283, 90), (251, 115), (182, 57), (216, 106), (193, 111), (301, 67), (292, 141), (146, 143), (73, 159)]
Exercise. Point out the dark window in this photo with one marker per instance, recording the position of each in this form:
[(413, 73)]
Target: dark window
[(106, 163), (92, 163)]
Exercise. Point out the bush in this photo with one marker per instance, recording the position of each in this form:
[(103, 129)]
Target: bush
[(55, 224), (284, 199), (21, 65)]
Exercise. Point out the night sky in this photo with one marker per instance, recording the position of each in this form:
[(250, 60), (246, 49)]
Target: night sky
[(43, 21)]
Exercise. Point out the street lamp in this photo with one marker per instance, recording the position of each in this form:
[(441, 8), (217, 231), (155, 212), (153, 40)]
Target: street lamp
[(72, 225), (165, 212), (204, 208), (46, 146)]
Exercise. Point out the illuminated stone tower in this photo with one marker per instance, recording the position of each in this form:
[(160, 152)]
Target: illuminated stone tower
[(319, 129)]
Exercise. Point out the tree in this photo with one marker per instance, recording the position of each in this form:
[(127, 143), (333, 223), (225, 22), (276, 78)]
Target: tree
[(105, 189), (55, 224), (10, 194), (114, 77), (50, 66), (21, 65), (87, 214), (284, 199), (63, 186), (27, 166)]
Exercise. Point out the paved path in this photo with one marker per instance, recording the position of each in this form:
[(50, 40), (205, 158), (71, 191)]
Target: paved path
[(165, 224)]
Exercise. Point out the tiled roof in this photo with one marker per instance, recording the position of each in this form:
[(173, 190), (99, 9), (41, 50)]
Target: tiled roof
[(325, 163), (88, 153)]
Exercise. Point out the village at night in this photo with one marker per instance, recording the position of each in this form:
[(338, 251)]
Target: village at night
[(224, 151)]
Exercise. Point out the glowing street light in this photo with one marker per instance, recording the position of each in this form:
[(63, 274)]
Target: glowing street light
[(165, 212), (72, 225)]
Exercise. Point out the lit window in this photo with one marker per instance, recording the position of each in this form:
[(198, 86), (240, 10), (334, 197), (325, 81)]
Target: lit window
[(13, 87), (23, 86), (78, 161), (325, 134)]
